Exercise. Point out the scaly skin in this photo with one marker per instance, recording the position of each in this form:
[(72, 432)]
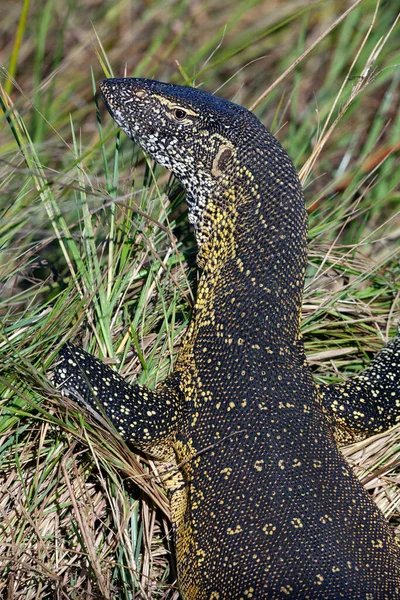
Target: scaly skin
[(370, 402), (263, 503)]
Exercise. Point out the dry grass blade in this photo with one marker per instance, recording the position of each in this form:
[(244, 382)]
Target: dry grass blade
[(362, 82), (367, 457), (83, 518)]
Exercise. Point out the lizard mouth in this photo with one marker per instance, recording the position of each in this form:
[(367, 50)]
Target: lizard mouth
[(103, 95), (121, 107)]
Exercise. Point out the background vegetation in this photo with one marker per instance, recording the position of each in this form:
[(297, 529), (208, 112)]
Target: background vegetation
[(95, 247)]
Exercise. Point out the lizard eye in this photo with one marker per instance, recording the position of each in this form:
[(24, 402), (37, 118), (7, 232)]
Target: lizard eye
[(179, 114)]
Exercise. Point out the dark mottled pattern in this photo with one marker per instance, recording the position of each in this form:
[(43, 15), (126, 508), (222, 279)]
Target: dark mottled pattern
[(263, 504)]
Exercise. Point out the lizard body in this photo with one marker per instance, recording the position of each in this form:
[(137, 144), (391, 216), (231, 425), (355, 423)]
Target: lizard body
[(263, 504)]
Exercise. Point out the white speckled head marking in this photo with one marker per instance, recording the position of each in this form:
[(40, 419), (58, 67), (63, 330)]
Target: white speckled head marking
[(155, 115)]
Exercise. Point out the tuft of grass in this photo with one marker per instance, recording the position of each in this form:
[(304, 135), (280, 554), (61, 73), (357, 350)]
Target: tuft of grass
[(95, 248)]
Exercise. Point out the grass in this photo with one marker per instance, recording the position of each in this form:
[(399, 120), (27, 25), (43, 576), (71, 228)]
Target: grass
[(95, 247)]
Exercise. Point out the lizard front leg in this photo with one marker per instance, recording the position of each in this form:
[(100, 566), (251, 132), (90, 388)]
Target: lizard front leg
[(141, 416)]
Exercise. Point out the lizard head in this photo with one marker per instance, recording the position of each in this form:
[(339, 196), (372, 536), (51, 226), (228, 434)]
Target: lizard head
[(195, 135)]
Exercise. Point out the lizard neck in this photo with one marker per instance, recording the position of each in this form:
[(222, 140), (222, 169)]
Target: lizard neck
[(254, 262)]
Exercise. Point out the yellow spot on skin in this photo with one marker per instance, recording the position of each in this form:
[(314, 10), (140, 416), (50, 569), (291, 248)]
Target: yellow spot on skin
[(297, 523), (325, 519), (287, 590), (201, 555), (227, 471), (269, 529), (231, 531)]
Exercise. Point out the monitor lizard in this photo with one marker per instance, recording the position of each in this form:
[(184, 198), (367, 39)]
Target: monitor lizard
[(263, 504)]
